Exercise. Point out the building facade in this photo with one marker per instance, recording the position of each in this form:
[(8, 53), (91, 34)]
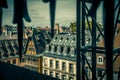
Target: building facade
[(59, 58)]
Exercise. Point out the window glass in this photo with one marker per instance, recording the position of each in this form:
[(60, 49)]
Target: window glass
[(14, 61), (51, 63), (57, 64), (63, 66), (100, 60)]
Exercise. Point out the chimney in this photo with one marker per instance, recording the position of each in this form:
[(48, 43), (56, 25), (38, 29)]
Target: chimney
[(57, 27)]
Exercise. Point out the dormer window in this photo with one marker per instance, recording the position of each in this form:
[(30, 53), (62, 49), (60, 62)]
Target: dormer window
[(67, 39), (100, 60), (68, 50), (61, 49), (49, 48), (73, 39), (56, 38), (61, 38), (55, 49)]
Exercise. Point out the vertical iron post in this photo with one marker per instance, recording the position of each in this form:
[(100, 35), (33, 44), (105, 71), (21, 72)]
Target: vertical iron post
[(20, 37), (93, 46), (109, 29), (52, 15), (83, 39), (0, 20), (78, 61)]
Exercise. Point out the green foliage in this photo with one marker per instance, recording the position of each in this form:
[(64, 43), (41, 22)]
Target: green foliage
[(73, 26)]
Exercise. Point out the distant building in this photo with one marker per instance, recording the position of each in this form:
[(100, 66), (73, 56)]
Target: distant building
[(35, 47), (9, 45), (101, 57), (9, 49), (59, 58)]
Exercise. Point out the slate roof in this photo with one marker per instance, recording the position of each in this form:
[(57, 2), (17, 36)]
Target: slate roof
[(62, 46), (64, 40), (9, 47)]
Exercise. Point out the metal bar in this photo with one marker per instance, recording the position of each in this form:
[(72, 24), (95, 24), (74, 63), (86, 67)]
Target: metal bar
[(88, 23), (0, 20), (83, 39), (108, 32), (119, 74), (117, 6), (100, 52), (18, 18), (97, 39), (52, 15), (116, 20), (20, 37), (113, 62), (98, 27), (78, 62), (88, 63), (86, 76), (94, 20), (93, 47)]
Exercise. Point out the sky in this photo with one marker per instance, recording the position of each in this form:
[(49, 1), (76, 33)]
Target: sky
[(39, 13)]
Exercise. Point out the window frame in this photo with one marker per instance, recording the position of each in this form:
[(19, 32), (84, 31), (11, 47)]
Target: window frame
[(100, 60)]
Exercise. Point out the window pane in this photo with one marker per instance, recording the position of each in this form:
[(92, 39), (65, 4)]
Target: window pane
[(45, 61), (51, 73), (14, 61), (57, 64), (45, 72), (51, 63), (57, 75), (71, 68), (63, 66), (63, 77)]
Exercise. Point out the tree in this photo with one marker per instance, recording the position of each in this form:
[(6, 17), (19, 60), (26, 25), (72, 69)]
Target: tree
[(73, 26)]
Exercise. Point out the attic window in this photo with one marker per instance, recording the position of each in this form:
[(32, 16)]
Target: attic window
[(61, 38), (31, 49), (67, 39), (49, 48), (68, 49), (3, 55), (10, 54), (38, 40), (100, 60), (61, 49), (56, 38), (55, 49), (73, 39)]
